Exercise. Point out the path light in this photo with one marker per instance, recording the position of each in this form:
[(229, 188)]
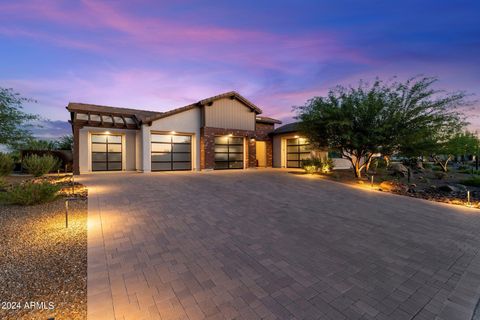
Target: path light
[(468, 199), (66, 209), (371, 182), (73, 184), (172, 132)]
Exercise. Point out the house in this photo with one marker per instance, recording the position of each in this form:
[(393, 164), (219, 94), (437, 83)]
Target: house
[(221, 132)]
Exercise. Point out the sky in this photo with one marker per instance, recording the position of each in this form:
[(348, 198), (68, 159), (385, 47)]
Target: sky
[(159, 55)]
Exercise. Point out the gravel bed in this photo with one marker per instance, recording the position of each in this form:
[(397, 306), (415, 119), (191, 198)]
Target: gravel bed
[(43, 262)]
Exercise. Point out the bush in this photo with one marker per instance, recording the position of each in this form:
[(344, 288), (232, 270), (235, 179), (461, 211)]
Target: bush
[(440, 175), (473, 181), (317, 164), (6, 164), (30, 193), (469, 171), (38, 166)]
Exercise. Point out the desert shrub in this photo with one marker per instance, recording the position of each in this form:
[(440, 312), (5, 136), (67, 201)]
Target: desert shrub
[(30, 193), (469, 171), (473, 181), (440, 175), (317, 164), (6, 164), (40, 165)]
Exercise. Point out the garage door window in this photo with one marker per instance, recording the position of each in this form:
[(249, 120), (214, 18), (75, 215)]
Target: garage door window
[(106, 152), (298, 149), (228, 152), (171, 152)]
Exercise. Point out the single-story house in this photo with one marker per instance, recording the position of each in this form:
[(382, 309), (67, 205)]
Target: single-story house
[(221, 132)]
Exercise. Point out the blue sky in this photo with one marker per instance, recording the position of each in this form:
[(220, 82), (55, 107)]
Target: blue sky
[(160, 55)]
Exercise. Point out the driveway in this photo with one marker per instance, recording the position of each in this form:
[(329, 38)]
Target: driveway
[(267, 244)]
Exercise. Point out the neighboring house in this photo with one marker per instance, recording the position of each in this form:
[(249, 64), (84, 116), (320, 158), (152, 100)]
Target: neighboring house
[(222, 132), (290, 147)]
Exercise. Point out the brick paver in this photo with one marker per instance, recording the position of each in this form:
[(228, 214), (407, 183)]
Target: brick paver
[(266, 244)]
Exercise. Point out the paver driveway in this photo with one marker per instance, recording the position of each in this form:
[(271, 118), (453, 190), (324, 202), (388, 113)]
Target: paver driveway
[(265, 244)]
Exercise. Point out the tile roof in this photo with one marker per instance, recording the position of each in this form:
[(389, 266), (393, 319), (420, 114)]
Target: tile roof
[(149, 116), (267, 120)]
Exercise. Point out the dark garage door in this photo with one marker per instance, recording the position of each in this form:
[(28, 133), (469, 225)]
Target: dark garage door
[(171, 152), (228, 152)]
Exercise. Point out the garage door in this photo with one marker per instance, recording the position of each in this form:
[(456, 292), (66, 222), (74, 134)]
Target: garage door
[(171, 152), (298, 149), (228, 152), (106, 152)]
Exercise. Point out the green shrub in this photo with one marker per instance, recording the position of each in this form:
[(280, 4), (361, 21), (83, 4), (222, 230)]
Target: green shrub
[(6, 164), (469, 171), (30, 193), (38, 166), (317, 164), (473, 181)]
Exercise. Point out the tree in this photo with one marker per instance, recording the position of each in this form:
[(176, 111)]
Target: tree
[(380, 119), (64, 143), (460, 144), (13, 121)]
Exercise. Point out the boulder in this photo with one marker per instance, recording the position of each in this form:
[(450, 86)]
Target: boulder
[(448, 188), (399, 169)]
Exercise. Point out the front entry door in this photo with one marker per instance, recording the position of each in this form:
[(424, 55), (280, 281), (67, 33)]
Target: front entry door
[(261, 152)]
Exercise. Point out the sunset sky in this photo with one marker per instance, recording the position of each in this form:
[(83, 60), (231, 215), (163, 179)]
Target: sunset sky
[(157, 55)]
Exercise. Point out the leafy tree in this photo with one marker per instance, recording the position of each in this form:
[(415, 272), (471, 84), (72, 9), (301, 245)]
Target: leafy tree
[(13, 121), (380, 119), (64, 143), (460, 144), (38, 144)]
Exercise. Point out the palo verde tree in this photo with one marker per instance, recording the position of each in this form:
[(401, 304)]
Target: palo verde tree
[(460, 144), (13, 120), (379, 119)]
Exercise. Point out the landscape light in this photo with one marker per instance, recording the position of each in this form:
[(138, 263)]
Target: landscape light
[(296, 137), (230, 134), (172, 132), (371, 182), (468, 199)]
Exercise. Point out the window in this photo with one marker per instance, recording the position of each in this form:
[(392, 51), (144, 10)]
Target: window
[(81, 116), (228, 152), (298, 149), (106, 152), (171, 152)]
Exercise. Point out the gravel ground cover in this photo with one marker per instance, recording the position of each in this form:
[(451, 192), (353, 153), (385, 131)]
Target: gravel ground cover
[(43, 265)]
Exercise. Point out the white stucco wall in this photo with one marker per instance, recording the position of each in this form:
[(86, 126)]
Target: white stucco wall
[(187, 122), (128, 147)]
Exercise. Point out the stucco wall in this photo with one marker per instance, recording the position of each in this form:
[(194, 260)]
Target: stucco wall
[(128, 148), (187, 122), (231, 114)]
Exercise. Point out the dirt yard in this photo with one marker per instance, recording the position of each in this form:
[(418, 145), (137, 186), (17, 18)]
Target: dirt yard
[(43, 264)]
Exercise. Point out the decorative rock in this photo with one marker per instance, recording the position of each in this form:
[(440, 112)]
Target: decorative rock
[(399, 169), (448, 188)]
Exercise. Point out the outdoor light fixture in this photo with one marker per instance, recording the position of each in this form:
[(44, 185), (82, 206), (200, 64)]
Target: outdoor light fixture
[(107, 132), (371, 182), (230, 134), (172, 132), (296, 137), (468, 199)]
